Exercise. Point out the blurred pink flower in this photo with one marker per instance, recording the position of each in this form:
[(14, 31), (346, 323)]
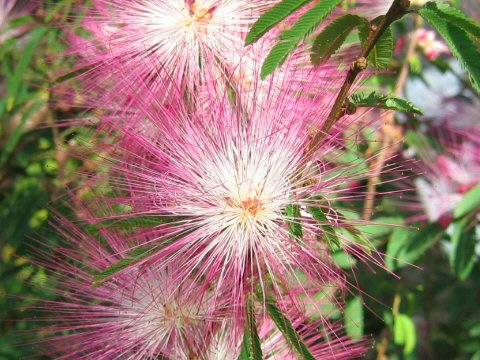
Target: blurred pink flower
[(448, 173), (427, 42), (431, 47)]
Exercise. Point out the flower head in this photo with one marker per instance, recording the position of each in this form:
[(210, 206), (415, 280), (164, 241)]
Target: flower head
[(142, 314), (236, 184), (184, 43)]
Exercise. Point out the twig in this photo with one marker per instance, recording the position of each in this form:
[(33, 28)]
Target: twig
[(390, 132), (395, 12)]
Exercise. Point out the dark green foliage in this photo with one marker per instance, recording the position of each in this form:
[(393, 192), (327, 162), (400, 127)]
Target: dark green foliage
[(384, 102), (272, 17), (251, 347), (469, 203), (327, 229), (382, 52), (294, 340), (353, 316), (290, 38), (462, 256), (407, 245), (130, 258), (453, 28), (294, 221), (455, 16), (333, 36)]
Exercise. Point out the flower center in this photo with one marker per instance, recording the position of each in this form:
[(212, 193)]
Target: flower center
[(199, 15), (251, 206)]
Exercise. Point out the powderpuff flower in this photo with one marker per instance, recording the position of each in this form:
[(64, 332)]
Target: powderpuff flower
[(147, 314), (427, 42), (235, 184), (447, 174), (194, 47), (142, 314), (190, 42)]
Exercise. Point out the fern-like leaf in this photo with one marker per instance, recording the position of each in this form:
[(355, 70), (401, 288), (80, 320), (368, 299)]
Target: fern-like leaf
[(382, 52), (276, 57), (293, 220), (272, 17), (333, 36), (460, 44), (251, 347), (289, 39), (130, 258), (381, 101), (456, 17), (328, 230), (294, 340)]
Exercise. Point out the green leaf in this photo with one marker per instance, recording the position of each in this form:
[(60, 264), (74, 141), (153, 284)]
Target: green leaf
[(343, 259), (382, 52), (289, 39), (470, 202), (15, 81), (333, 36), (309, 21), (130, 258), (460, 44), (328, 230), (138, 222), (251, 347), (272, 17), (383, 102), (422, 144), (404, 333), (455, 16), (294, 340), (462, 256), (17, 133), (276, 57), (293, 220), (354, 318), (407, 245)]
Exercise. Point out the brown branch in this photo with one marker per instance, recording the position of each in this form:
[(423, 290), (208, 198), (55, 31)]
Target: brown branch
[(395, 12)]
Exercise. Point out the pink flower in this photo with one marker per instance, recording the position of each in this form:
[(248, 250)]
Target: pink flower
[(226, 179), (148, 312), (447, 173), (432, 48), (157, 42), (143, 314), (324, 338)]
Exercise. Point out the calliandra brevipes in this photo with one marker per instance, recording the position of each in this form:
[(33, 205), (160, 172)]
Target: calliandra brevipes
[(183, 42), (241, 197), (146, 313), (179, 45)]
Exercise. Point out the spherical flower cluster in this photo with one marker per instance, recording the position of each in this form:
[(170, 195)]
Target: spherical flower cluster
[(238, 204)]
